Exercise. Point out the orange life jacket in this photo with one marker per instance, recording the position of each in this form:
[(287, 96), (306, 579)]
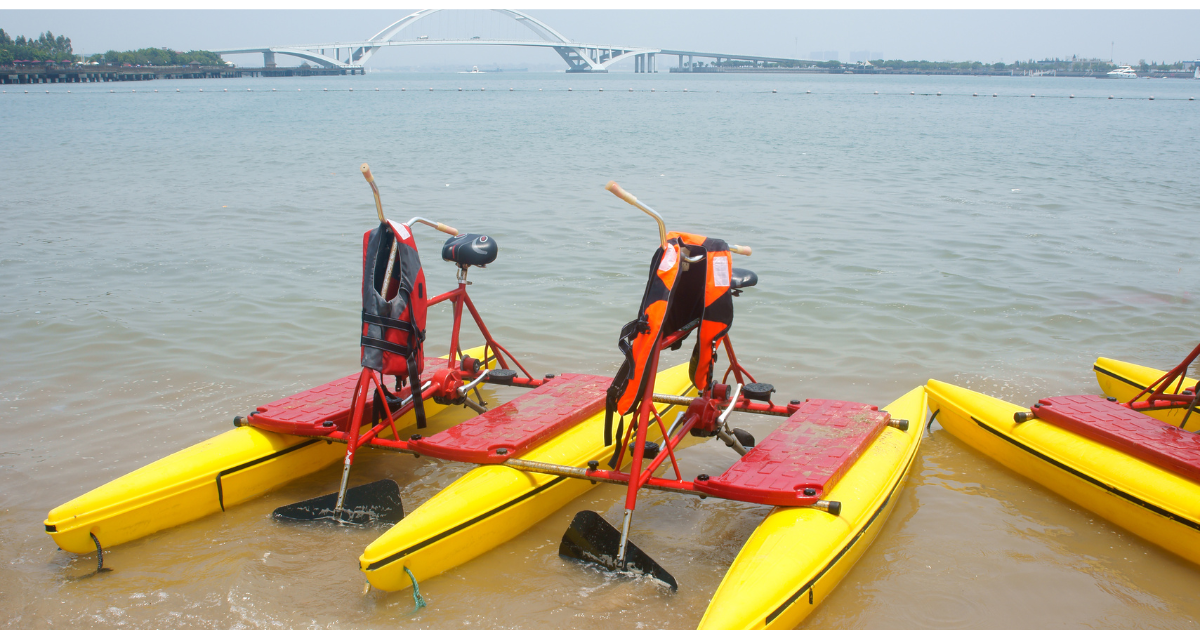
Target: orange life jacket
[(677, 293)]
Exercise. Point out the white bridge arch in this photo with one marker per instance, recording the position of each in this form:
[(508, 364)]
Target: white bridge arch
[(580, 57)]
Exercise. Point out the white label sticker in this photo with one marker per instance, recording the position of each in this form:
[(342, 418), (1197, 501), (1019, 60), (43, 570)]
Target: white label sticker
[(400, 229), (720, 271), (670, 257)]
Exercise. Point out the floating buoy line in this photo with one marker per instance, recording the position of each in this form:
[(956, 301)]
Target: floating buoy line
[(1068, 96)]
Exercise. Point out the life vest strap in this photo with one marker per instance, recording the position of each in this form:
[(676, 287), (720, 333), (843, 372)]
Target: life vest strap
[(610, 407), (387, 346), (395, 324), (414, 386)]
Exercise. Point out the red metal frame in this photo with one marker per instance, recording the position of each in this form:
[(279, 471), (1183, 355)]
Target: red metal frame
[(734, 367), (458, 298), (701, 413), (1156, 396), (444, 383)]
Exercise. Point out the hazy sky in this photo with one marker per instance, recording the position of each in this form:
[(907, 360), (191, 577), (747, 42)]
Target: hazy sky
[(934, 35)]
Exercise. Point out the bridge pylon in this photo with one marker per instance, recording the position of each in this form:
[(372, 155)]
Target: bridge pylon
[(644, 63)]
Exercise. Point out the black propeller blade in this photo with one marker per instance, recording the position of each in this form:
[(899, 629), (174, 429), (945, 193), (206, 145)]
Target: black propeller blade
[(591, 539), (378, 501)]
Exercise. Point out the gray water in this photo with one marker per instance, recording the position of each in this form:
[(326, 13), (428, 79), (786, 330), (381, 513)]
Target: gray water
[(171, 259)]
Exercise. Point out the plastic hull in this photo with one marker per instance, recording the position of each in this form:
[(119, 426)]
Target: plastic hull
[(1159, 506), (491, 504), (209, 477), (796, 557), (1123, 381)]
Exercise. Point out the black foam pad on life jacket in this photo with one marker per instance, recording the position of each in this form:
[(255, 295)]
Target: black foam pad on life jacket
[(467, 250)]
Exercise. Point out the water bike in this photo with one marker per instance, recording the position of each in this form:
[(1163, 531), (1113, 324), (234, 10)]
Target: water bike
[(1123, 456), (289, 438), (831, 469)]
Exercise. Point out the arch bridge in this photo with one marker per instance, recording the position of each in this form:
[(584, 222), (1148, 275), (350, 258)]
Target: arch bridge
[(351, 56)]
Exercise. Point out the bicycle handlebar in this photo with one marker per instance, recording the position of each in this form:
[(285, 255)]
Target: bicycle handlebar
[(615, 188), (366, 171), (441, 227)]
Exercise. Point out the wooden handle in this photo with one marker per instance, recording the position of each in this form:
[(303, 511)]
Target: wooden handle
[(366, 171), (615, 188), (740, 249), (442, 227), (387, 276)]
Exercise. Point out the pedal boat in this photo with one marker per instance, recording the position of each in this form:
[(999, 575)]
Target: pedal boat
[(1131, 469), (825, 455), (306, 432), (210, 477)]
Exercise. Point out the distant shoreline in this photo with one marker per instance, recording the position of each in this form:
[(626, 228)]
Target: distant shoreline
[(45, 74), (1181, 74)]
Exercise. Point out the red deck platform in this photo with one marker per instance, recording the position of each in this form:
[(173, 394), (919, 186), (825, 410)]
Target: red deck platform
[(305, 413), (1128, 431), (520, 424), (810, 451)]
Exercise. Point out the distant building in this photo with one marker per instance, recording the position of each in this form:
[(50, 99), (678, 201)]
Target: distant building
[(823, 55), (864, 55)]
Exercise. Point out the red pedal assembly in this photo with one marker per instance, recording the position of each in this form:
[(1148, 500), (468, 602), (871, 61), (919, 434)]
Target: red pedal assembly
[(519, 425), (1128, 431), (798, 463)]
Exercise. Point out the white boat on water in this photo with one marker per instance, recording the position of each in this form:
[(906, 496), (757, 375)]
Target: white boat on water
[(474, 70), (1124, 72)]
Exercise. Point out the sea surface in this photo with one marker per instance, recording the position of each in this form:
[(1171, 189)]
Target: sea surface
[(171, 257)]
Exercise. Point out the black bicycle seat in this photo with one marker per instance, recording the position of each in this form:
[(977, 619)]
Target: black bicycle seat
[(742, 278), (467, 250)]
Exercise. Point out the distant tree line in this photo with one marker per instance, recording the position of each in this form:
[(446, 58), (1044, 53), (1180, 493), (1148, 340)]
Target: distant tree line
[(1160, 66), (46, 47), (1062, 65), (1073, 65), (157, 57), (49, 47), (900, 64)]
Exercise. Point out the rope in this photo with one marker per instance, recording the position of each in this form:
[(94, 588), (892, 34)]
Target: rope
[(418, 601), (99, 555)]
